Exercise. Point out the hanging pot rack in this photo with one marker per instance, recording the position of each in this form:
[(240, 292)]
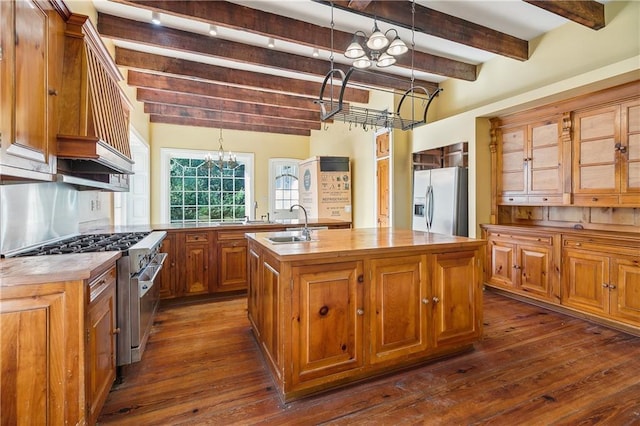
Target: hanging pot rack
[(333, 107)]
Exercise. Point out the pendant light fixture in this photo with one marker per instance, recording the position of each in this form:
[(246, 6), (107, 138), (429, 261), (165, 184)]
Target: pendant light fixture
[(231, 162), (379, 48)]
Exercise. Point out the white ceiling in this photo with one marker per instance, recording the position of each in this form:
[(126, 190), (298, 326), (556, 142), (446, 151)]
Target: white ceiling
[(513, 17)]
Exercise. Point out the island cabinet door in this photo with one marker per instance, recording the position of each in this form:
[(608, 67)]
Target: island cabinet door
[(398, 296), (254, 291), (327, 308), (456, 300)]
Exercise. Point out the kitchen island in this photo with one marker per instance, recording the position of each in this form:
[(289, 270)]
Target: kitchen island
[(356, 303)]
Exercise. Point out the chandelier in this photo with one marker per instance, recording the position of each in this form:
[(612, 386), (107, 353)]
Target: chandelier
[(231, 162), (379, 48)]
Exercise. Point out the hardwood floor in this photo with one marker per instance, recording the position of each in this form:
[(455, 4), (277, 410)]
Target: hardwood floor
[(533, 367)]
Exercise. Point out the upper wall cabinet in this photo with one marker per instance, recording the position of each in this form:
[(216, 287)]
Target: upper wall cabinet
[(31, 43), (529, 162), (606, 155)]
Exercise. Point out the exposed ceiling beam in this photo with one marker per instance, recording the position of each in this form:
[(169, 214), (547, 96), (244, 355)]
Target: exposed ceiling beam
[(184, 121), (359, 4), (126, 29), (231, 117), (441, 25), (164, 64), (586, 12), (183, 99), (194, 87), (243, 18)]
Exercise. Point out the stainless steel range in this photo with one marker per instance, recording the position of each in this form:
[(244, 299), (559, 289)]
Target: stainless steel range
[(137, 292)]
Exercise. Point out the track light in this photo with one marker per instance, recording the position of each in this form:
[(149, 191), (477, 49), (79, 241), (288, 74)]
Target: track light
[(315, 53), (155, 18), (213, 31), (271, 43)]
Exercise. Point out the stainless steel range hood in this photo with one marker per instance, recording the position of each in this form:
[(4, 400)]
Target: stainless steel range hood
[(93, 128)]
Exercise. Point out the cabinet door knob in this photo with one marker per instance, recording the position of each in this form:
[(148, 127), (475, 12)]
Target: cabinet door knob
[(360, 311), (360, 278), (435, 300), (116, 331), (612, 286), (425, 301), (53, 92), (605, 285)]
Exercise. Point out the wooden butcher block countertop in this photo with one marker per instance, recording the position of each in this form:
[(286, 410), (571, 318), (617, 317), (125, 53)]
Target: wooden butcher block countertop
[(346, 242), (54, 268)]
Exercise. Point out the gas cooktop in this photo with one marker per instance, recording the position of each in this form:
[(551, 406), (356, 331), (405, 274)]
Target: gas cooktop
[(88, 243)]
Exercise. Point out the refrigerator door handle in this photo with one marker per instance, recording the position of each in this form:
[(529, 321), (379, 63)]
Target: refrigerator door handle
[(429, 208)]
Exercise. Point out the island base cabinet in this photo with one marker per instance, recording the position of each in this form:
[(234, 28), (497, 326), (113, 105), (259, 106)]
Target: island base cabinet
[(399, 319), (324, 323), (457, 305), (327, 328)]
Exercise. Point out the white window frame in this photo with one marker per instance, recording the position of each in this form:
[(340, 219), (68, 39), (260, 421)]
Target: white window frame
[(166, 154), (273, 165)]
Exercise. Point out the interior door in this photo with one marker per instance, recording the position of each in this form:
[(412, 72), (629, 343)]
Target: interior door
[(383, 155), (382, 176)]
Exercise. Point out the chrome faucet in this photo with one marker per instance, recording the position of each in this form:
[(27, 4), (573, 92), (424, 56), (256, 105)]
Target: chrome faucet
[(305, 231)]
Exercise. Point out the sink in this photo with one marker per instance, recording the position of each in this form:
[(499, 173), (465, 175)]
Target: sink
[(257, 222), (287, 239), (229, 223)]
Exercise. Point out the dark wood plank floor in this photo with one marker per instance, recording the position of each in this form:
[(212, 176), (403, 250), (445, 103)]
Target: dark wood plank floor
[(533, 367)]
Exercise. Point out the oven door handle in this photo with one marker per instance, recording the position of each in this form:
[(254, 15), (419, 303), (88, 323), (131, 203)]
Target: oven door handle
[(148, 276)]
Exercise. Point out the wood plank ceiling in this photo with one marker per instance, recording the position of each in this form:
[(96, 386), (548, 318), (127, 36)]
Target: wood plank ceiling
[(194, 92)]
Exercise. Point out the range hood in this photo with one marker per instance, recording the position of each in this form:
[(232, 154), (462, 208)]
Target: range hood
[(93, 128)]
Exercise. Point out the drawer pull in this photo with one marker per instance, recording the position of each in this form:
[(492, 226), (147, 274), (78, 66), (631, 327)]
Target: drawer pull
[(510, 199), (545, 199), (594, 199), (360, 311)]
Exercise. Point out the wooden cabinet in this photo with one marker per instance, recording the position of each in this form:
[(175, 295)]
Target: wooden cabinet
[(58, 347), (529, 162), (341, 317), (30, 74), (232, 261), (399, 297), (522, 262), (456, 305), (328, 302), (602, 278), (101, 342), (606, 155), (205, 261), (199, 272)]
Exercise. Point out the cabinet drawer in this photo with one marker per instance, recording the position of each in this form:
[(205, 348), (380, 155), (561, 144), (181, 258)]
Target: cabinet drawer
[(234, 235), (630, 199), (98, 285), (513, 199), (203, 237), (520, 238), (595, 200), (601, 246), (536, 200)]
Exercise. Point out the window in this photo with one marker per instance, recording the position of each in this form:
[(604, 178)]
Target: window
[(283, 174), (196, 190)]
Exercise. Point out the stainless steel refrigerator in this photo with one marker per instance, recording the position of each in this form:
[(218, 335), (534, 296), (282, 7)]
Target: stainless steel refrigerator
[(440, 201)]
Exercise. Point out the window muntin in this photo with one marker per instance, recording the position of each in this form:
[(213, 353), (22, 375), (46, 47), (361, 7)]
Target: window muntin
[(192, 192)]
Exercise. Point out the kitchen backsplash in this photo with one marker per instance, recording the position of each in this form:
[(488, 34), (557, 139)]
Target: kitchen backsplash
[(34, 213)]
